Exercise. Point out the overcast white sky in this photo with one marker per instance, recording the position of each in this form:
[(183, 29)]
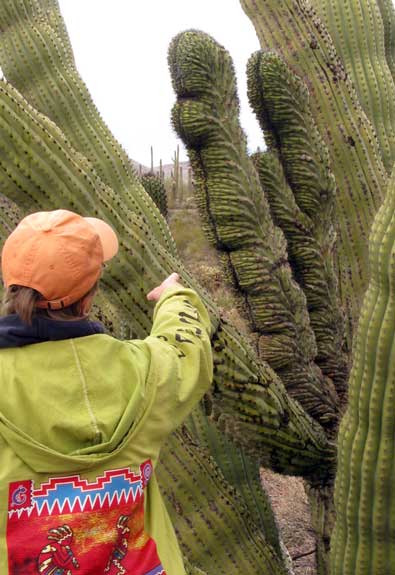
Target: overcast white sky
[(120, 47)]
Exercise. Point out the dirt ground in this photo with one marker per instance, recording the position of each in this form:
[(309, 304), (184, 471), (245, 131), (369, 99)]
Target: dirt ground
[(291, 508)]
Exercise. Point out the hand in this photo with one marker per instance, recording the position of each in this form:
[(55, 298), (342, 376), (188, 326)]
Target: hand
[(172, 280)]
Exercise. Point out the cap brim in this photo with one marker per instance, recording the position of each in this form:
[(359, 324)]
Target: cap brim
[(107, 237)]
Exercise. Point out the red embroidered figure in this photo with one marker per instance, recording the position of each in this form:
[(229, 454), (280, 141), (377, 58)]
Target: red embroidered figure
[(56, 557), (121, 547)]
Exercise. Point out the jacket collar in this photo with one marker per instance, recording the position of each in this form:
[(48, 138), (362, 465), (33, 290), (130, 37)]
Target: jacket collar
[(15, 333)]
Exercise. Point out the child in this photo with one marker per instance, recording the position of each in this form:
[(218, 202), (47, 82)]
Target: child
[(83, 415)]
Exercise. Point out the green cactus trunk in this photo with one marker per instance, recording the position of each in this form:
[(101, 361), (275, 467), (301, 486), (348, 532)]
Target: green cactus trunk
[(357, 31), (363, 540), (241, 471), (204, 536)]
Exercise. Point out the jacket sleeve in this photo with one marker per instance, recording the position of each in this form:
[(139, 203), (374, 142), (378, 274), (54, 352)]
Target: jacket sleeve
[(181, 365)]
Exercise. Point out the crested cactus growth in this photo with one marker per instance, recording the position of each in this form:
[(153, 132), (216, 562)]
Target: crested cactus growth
[(355, 156), (363, 537), (300, 188), (357, 31), (155, 188), (238, 218)]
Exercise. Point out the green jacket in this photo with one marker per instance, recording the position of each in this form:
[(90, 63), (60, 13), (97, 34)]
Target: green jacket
[(82, 422)]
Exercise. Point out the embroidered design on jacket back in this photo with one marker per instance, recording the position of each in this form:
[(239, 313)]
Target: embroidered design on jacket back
[(70, 526)]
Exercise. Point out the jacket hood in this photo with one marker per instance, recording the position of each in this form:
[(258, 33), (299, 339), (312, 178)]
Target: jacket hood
[(43, 459), (67, 401)]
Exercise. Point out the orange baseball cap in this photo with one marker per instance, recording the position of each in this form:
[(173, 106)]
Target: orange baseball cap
[(60, 254)]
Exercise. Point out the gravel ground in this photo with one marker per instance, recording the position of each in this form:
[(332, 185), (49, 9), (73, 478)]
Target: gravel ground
[(291, 507)]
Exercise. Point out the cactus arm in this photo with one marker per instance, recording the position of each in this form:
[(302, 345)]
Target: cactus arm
[(36, 61), (206, 117), (281, 103), (387, 11), (364, 489), (356, 29), (39, 169), (239, 470), (249, 553), (310, 257), (300, 188), (50, 10), (291, 28)]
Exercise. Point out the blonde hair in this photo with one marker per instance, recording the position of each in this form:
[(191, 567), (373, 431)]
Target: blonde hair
[(21, 300)]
